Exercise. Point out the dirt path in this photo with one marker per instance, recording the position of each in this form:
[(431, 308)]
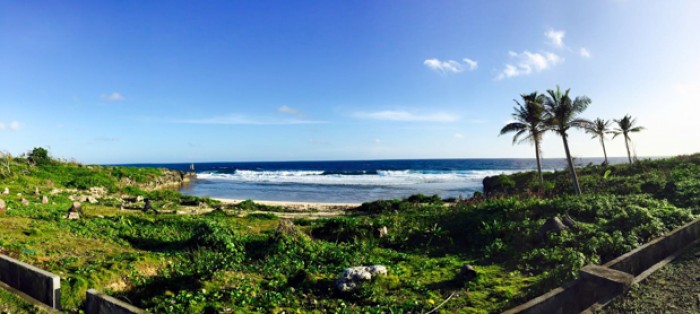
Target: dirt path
[(294, 215), (673, 289)]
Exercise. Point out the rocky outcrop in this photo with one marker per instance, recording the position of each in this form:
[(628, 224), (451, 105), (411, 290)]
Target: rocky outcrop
[(168, 179), (353, 277)]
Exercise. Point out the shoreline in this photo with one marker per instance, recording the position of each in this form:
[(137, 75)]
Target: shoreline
[(300, 206)]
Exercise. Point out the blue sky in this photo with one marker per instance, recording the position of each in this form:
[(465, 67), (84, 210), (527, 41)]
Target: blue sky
[(146, 81)]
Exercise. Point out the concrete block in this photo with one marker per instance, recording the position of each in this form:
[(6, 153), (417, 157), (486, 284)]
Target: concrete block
[(99, 303), (37, 283), (606, 279)]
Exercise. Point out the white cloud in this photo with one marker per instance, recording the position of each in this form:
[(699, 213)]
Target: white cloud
[(115, 96), (451, 65), (528, 62), (444, 66), (585, 53), (14, 125), (556, 38), (473, 65), (287, 109), (377, 141), (392, 115), (459, 136)]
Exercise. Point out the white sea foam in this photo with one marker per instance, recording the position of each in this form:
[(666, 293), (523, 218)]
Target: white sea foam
[(382, 178)]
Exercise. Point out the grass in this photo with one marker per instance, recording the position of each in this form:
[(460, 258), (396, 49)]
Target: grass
[(219, 262)]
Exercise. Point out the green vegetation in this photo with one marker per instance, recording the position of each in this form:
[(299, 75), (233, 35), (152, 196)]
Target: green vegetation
[(218, 261)]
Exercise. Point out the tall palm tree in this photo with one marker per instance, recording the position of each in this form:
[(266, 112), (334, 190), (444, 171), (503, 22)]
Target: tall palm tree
[(528, 123), (599, 128), (560, 116), (625, 126)]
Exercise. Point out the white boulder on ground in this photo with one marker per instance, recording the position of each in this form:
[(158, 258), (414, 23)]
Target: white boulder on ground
[(353, 277)]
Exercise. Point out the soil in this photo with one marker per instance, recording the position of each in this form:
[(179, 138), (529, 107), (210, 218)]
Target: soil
[(673, 289)]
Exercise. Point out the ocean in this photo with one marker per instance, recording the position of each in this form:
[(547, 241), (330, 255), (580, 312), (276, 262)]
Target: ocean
[(353, 181)]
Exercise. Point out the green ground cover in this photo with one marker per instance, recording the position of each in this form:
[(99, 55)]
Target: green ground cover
[(220, 262)]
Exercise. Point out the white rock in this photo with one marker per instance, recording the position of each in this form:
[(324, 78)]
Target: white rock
[(353, 277)]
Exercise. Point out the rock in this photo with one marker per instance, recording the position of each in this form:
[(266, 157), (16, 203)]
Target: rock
[(76, 207), (44, 199), (55, 191), (6, 191), (24, 202), (353, 277), (92, 200), (100, 216), (139, 198), (554, 225), (36, 191), (467, 272), (569, 222), (73, 215), (287, 228), (383, 231), (3, 206)]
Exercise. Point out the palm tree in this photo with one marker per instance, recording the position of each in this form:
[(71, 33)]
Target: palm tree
[(624, 127), (561, 115), (599, 128), (529, 123)]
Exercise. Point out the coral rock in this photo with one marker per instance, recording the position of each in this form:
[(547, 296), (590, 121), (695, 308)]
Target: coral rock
[(353, 277)]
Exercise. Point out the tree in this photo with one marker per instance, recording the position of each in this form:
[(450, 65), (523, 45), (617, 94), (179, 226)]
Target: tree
[(625, 126), (561, 115), (528, 124), (39, 156), (599, 128)]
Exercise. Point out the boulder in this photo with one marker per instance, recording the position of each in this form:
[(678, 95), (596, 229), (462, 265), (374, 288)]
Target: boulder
[(467, 272), (287, 228), (6, 191), (353, 277), (75, 208), (24, 202), (3, 206), (36, 191), (73, 215), (44, 199), (552, 225), (383, 231), (92, 200), (569, 222)]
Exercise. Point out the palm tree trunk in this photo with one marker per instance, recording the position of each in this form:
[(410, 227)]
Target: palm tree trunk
[(539, 162), (602, 142), (574, 177), (627, 145)]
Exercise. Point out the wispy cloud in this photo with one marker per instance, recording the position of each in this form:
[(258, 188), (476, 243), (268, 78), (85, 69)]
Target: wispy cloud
[(451, 66), (459, 136), (585, 53), (114, 96), (556, 38), (473, 65), (528, 62), (14, 125), (405, 116), (238, 119), (291, 111)]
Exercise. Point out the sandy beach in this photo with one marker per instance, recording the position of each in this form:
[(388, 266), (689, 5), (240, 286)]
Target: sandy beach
[(300, 206)]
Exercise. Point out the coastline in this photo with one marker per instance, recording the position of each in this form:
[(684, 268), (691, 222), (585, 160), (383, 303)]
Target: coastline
[(300, 206)]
